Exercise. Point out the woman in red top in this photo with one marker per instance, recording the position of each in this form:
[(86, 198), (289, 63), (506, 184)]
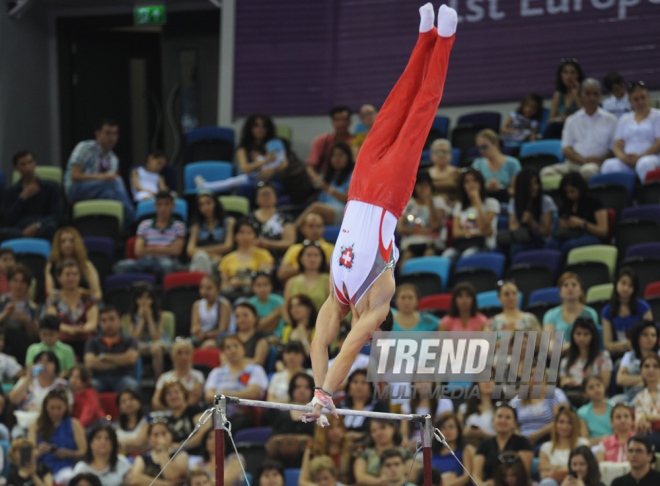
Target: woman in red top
[(86, 405)]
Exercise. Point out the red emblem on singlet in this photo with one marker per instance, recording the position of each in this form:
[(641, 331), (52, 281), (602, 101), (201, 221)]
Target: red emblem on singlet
[(346, 258)]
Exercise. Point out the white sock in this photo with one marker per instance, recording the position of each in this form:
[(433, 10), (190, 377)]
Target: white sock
[(447, 20), (426, 21)]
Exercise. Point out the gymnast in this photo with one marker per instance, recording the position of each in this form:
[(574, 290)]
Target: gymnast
[(362, 266)]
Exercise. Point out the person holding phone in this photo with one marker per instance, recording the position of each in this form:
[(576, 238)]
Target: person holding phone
[(583, 469), (23, 470)]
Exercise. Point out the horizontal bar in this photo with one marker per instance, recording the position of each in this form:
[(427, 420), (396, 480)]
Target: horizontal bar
[(303, 408)]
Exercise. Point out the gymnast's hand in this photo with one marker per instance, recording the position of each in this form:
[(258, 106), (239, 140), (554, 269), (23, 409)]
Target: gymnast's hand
[(321, 400)]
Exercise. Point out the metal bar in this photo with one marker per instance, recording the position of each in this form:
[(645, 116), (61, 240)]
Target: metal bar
[(427, 441), (219, 430), (303, 408)]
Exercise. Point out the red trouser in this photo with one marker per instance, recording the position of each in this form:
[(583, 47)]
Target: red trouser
[(386, 167)]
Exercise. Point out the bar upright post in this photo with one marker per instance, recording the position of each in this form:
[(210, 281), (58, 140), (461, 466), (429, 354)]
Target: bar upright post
[(219, 414), (427, 442)]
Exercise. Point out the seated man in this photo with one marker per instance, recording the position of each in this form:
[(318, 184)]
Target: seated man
[(587, 137), (319, 154), (111, 356), (49, 330), (91, 172), (160, 241), (312, 230), (641, 454), (32, 205)]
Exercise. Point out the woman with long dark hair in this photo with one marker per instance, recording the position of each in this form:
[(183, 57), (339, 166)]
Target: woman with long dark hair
[(644, 341), (476, 414), (275, 232), (302, 321), (312, 280), (359, 396), (102, 458), (624, 310), (647, 402), (130, 422), (585, 466), (530, 213), (422, 404), (553, 456), (334, 186), (444, 460), (254, 343), (582, 217), (566, 99), (211, 234), (301, 391), (510, 471), (463, 313)]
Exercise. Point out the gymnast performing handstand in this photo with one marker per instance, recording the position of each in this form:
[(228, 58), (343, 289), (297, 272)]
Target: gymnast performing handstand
[(362, 266)]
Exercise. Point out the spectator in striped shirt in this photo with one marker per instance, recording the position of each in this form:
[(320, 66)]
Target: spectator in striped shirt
[(160, 241)]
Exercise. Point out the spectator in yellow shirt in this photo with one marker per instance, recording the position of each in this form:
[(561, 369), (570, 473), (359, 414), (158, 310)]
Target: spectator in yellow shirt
[(312, 230)]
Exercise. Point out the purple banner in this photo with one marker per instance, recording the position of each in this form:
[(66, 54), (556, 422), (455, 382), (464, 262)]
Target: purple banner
[(295, 57)]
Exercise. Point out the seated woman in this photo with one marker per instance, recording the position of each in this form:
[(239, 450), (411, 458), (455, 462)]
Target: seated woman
[(512, 318), (313, 278), (644, 341), (60, 438), (453, 473), (584, 358), (333, 185), (595, 415), (161, 449), (359, 396), (74, 306), (183, 371), (647, 402), (624, 310), (211, 315), (130, 423), (637, 136), (422, 405), (444, 176), (582, 217), (239, 378), (511, 471), (102, 458), (145, 323), (323, 471), (406, 316), (530, 213), (383, 435), (301, 321), (561, 318), (476, 414), (486, 458), (522, 125), (236, 267), (275, 232), (566, 98), (474, 223), (26, 473), (293, 357), (536, 415), (499, 170), (422, 221), (211, 234), (553, 456), (18, 313), (615, 447), (585, 468), (463, 314), (254, 344), (301, 391), (86, 407), (269, 305), (68, 245), (332, 442)]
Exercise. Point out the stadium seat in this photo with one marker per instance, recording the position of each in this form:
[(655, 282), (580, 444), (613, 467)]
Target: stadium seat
[(643, 250), (429, 264), (491, 261), (291, 477), (441, 124), (530, 277), (33, 253), (646, 211), (551, 295), (613, 196), (549, 258), (590, 273), (634, 231), (606, 254), (552, 147), (646, 268), (652, 289), (284, 132), (147, 209), (130, 248), (600, 292), (540, 308), (536, 162), (209, 143), (237, 206), (179, 279), (210, 170), (331, 233), (180, 291), (109, 404), (652, 175), (101, 217), (253, 434), (435, 302), (551, 182), (118, 289), (649, 193), (45, 172), (486, 119), (254, 454), (101, 252), (207, 356), (482, 279), (455, 156), (654, 302), (490, 299), (463, 139), (426, 283), (625, 179)]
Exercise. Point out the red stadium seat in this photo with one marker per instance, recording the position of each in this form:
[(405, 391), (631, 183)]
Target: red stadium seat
[(182, 279), (109, 404), (437, 301), (652, 175), (207, 356), (652, 289), (130, 248)]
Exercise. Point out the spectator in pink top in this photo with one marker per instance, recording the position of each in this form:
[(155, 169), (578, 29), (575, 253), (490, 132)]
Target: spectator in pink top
[(463, 314), (319, 154), (613, 448)]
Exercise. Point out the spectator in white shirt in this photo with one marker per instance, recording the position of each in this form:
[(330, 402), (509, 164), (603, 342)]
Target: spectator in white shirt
[(618, 103), (587, 137)]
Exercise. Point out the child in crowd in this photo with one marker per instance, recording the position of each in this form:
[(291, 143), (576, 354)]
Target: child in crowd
[(147, 181), (268, 305), (86, 407), (211, 315), (617, 103), (595, 414), (613, 448), (522, 125), (49, 330), (7, 262), (24, 470), (146, 323)]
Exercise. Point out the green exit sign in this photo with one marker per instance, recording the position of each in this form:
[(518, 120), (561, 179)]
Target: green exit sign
[(149, 15)]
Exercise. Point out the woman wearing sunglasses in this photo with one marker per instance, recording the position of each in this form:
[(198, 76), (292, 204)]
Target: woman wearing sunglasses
[(499, 170), (637, 136)]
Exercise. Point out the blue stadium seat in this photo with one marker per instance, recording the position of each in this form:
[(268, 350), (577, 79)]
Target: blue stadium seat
[(552, 147), (625, 179), (32, 246), (147, 209), (429, 264), (491, 261), (489, 299), (209, 170), (551, 295)]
